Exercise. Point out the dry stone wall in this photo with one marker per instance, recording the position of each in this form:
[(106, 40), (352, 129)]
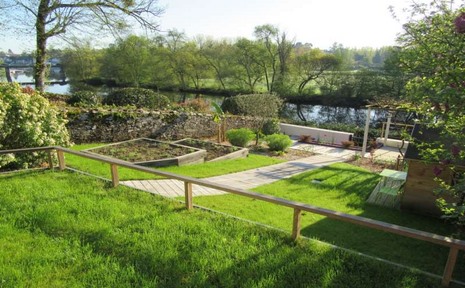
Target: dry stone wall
[(87, 126)]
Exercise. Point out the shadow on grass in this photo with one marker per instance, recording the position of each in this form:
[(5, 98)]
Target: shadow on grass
[(282, 263), (398, 249)]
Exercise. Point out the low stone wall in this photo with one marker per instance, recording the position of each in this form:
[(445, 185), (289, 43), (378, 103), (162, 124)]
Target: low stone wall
[(117, 125), (320, 135)]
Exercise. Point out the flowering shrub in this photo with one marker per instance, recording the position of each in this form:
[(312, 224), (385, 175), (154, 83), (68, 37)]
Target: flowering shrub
[(27, 120)]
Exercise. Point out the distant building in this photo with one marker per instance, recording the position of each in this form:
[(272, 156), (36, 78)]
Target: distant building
[(19, 60)]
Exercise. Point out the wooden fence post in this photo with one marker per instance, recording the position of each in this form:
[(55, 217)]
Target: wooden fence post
[(50, 160), (61, 160), (114, 175), (296, 223), (449, 269), (188, 195)]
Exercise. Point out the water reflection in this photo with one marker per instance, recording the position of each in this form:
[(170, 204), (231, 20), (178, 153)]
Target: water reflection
[(328, 114), (181, 97), (318, 114)]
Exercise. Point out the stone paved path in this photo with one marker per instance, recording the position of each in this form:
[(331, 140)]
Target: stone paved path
[(260, 176), (244, 180)]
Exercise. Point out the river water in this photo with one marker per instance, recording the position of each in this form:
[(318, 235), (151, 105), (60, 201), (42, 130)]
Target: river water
[(312, 113)]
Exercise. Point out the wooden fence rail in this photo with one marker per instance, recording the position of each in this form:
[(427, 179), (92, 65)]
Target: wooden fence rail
[(454, 244)]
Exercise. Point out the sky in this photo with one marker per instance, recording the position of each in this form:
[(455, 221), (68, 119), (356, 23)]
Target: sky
[(352, 23)]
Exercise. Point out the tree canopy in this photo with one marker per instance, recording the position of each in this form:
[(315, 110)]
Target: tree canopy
[(56, 18), (432, 52)]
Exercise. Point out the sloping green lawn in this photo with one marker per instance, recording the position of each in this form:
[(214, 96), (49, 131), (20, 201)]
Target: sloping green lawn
[(62, 229), (343, 188), (204, 170)]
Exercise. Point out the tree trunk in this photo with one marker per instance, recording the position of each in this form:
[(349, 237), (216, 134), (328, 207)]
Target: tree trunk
[(41, 41)]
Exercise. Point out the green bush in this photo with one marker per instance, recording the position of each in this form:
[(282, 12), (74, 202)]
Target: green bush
[(240, 137), (259, 105), (139, 97), (278, 142), (28, 120), (271, 127), (84, 98)]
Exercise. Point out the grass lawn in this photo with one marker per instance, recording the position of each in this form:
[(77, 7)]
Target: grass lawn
[(62, 229), (204, 170), (343, 188)]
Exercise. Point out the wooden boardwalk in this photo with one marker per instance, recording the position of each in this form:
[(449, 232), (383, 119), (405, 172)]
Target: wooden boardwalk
[(243, 180)]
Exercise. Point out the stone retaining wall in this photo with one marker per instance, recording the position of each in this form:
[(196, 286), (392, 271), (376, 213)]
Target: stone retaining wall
[(115, 125)]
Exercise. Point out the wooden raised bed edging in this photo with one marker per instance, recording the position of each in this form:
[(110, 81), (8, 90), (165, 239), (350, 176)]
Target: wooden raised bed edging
[(239, 153), (197, 156), (454, 244)]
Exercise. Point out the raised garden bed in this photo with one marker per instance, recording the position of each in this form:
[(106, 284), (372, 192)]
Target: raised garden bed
[(152, 153), (215, 151)]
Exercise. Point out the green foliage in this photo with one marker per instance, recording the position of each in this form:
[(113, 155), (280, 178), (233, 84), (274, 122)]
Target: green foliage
[(433, 51), (278, 142), (258, 105), (82, 61), (240, 137), (271, 126), (28, 120), (139, 97), (84, 98)]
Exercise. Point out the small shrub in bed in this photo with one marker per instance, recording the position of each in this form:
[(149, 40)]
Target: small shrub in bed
[(271, 127), (139, 97), (240, 137), (278, 142)]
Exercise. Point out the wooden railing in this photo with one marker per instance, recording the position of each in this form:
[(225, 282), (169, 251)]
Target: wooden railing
[(454, 244), (405, 127)]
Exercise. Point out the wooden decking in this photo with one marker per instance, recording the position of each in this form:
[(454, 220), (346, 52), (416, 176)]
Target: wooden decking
[(170, 188)]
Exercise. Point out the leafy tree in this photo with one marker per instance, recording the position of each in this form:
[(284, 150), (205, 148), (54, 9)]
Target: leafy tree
[(129, 61), (249, 72), (219, 55), (197, 67), (56, 18), (276, 54), (433, 45), (312, 64), (28, 120), (177, 55), (81, 61)]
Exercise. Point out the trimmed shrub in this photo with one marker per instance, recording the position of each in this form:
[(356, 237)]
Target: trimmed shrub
[(271, 127), (278, 142), (139, 97), (28, 120), (84, 98), (240, 137), (260, 105)]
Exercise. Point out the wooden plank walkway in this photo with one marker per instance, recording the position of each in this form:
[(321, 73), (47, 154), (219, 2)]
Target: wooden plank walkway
[(244, 180)]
